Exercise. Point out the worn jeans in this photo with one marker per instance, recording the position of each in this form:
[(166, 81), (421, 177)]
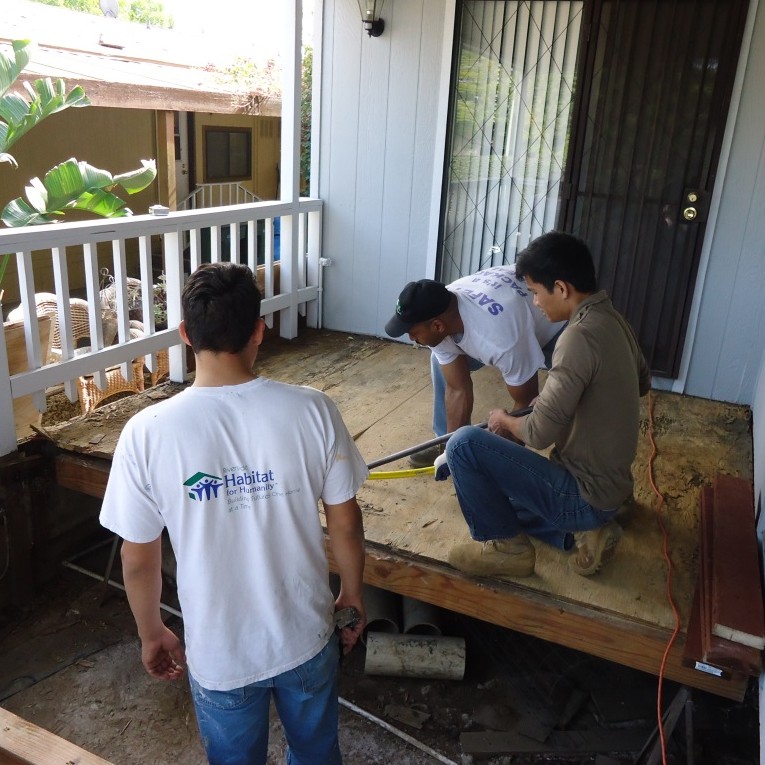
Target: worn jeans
[(505, 489), (439, 384), (234, 724)]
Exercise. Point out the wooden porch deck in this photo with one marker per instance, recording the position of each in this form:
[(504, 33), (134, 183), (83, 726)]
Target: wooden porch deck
[(383, 391)]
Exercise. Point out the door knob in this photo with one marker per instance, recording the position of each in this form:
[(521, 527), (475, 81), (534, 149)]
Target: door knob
[(690, 213)]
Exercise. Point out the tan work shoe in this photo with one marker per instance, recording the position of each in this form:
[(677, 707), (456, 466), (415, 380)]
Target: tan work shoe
[(594, 548), (426, 457), (497, 557)]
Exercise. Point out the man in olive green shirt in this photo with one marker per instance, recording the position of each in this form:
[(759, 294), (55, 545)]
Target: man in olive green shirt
[(588, 411)]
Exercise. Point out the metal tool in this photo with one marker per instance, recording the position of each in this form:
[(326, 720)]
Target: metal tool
[(435, 442), (346, 617)]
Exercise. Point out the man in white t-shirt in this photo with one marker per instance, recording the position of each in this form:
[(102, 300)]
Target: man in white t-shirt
[(487, 318), (233, 467)]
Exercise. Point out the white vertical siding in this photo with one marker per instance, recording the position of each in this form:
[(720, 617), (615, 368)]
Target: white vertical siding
[(381, 99)]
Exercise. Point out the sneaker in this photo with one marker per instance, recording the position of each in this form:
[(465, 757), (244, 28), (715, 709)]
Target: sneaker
[(595, 548), (497, 557), (426, 457)]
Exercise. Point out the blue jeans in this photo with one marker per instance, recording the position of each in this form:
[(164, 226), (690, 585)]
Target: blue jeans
[(505, 489), (439, 384), (234, 724)]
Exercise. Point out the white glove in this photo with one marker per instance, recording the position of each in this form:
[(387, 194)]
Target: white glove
[(442, 467)]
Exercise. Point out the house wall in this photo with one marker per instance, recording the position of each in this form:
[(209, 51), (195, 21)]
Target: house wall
[(758, 437), (111, 139), (266, 142), (379, 150), (383, 113)]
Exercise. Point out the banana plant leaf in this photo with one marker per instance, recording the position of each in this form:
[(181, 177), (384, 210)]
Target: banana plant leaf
[(11, 68), (46, 97), (19, 113), (74, 185)]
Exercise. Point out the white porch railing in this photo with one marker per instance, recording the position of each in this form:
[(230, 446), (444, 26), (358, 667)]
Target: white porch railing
[(217, 195), (239, 233)]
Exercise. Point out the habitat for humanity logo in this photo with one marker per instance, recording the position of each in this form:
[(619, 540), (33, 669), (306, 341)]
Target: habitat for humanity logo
[(204, 486)]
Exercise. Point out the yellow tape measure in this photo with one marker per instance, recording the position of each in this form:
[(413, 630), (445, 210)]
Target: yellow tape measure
[(411, 473)]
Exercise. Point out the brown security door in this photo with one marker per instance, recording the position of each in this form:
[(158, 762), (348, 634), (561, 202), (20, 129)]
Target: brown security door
[(657, 77)]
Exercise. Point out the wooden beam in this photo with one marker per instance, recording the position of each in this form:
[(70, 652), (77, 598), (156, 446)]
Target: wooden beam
[(141, 96), (166, 159), (736, 600), (606, 635), (84, 474), (24, 742)]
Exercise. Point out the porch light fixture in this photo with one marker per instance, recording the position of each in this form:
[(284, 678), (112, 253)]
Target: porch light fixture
[(370, 16)]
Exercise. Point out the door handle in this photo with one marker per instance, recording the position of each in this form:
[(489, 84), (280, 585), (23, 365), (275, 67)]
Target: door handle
[(694, 206)]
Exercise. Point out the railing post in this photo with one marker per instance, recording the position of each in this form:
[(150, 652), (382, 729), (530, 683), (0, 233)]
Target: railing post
[(8, 442), (313, 257), (174, 276)]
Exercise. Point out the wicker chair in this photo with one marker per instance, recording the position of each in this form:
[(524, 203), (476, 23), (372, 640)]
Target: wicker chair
[(163, 357), (45, 305), (163, 367), (91, 396)]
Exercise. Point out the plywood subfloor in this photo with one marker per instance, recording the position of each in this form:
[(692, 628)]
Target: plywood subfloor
[(383, 390)]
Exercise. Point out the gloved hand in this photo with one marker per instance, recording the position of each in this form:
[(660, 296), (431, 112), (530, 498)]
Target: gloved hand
[(442, 467)]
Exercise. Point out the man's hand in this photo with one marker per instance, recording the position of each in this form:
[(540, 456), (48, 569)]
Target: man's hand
[(163, 656), (350, 635), (346, 540), (504, 424)]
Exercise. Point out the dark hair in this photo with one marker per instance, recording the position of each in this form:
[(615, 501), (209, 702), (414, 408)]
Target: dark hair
[(557, 256), (221, 306)]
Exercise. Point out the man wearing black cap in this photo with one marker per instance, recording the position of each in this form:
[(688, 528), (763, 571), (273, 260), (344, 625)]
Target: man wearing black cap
[(485, 318)]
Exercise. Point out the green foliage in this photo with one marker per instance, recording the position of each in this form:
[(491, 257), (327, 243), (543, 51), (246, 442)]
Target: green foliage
[(74, 185), (306, 84), (86, 6), (148, 12), (18, 115)]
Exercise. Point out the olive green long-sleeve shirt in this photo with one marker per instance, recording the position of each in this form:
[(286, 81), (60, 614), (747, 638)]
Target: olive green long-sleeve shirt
[(589, 407)]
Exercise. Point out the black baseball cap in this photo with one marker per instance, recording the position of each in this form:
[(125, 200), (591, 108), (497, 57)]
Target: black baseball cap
[(418, 301)]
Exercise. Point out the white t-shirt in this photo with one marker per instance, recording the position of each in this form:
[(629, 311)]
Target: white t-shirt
[(235, 474), (502, 326)]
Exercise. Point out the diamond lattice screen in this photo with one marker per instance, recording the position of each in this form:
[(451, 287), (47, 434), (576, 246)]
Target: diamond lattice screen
[(511, 103)]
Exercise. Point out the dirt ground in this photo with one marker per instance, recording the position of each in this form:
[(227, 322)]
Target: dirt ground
[(71, 664)]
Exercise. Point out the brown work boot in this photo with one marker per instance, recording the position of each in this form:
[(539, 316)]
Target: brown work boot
[(594, 548), (497, 557), (626, 510), (426, 457)]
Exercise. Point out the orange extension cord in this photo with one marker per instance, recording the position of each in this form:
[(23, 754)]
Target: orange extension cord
[(668, 560)]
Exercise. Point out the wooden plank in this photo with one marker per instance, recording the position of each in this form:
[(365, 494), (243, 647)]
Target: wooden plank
[(737, 610), (703, 649), (704, 588), (27, 743), (520, 608), (84, 474), (721, 657)]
